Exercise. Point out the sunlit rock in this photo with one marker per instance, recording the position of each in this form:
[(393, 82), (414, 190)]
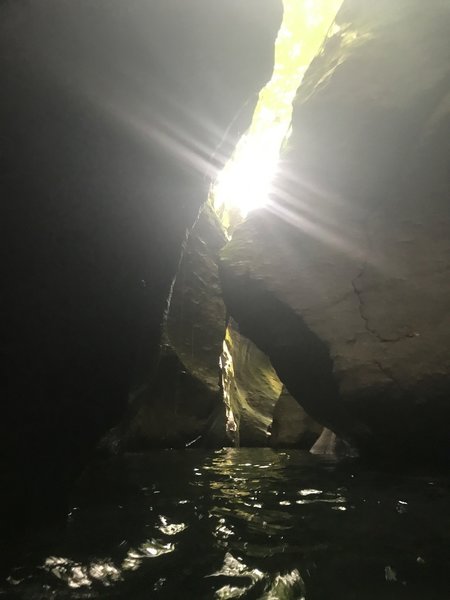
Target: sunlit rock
[(343, 281), (251, 389), (212, 386)]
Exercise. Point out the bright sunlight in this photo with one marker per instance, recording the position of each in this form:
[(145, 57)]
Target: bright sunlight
[(245, 182)]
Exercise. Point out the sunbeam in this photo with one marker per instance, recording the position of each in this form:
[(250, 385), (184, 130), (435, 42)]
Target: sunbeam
[(245, 183)]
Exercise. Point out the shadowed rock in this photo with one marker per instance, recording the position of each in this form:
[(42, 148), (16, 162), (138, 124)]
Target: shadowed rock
[(344, 281), (114, 116), (182, 399), (292, 427)]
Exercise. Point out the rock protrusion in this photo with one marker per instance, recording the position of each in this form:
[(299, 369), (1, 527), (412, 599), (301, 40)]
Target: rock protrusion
[(292, 427), (182, 400), (343, 281)]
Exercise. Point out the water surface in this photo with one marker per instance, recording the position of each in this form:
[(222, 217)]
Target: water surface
[(243, 523)]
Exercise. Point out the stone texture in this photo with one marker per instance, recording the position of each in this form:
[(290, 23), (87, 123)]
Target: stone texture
[(251, 388), (292, 427), (182, 399), (187, 400), (344, 282)]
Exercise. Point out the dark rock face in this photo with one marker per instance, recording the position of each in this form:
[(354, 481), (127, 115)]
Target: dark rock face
[(292, 427), (188, 399), (300, 358), (113, 116), (182, 399), (344, 284), (330, 444)]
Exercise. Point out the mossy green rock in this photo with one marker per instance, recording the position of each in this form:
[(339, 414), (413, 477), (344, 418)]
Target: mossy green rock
[(251, 391)]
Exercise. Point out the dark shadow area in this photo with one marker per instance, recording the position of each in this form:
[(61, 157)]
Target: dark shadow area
[(110, 115)]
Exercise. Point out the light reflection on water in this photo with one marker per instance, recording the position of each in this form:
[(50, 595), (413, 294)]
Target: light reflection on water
[(236, 523)]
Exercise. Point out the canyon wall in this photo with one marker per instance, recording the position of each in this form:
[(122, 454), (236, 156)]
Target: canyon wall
[(344, 280)]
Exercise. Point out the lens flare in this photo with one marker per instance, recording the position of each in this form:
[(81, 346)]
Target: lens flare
[(245, 182)]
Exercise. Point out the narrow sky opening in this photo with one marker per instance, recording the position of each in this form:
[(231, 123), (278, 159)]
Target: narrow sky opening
[(245, 182)]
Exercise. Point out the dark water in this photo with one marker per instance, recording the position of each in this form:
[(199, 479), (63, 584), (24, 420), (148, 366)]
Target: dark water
[(251, 524)]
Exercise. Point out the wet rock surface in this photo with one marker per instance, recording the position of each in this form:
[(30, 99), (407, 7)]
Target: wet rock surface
[(182, 400), (211, 385), (347, 275), (251, 387)]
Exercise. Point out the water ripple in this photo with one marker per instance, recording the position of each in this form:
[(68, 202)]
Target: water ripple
[(250, 524)]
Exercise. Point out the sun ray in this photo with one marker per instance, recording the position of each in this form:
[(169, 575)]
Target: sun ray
[(246, 180)]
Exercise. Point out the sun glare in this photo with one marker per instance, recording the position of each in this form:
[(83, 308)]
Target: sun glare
[(245, 182)]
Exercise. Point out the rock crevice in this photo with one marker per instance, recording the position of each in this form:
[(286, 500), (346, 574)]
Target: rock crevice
[(359, 293), (343, 280)]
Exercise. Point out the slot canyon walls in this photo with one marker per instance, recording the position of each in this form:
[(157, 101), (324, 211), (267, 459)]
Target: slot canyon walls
[(114, 115), (344, 280)]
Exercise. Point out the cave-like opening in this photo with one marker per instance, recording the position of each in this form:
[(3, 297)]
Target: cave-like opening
[(245, 182), (339, 281), (244, 185)]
